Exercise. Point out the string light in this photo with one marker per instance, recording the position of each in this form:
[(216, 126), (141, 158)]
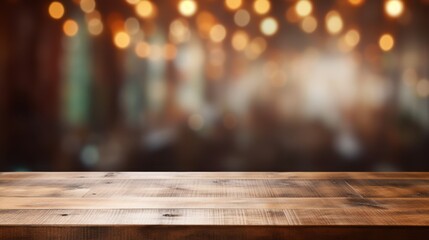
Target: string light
[(187, 7), (70, 28), (269, 26), (386, 42), (56, 10), (394, 8)]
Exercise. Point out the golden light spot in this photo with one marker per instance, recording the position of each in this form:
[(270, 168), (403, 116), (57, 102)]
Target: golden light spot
[(56, 10), (132, 25), (394, 8), (142, 49), (386, 42), (303, 8), (242, 18), (179, 31), (334, 22), (309, 24), (356, 2), (422, 88), (187, 7), (133, 2), (256, 47), (196, 122), (217, 33), (122, 39), (87, 6), (233, 4), (170, 51), (145, 9), (269, 26), (240, 39), (352, 38), (95, 26), (261, 6), (70, 28)]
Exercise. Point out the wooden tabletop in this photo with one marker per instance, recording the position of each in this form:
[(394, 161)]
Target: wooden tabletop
[(213, 205)]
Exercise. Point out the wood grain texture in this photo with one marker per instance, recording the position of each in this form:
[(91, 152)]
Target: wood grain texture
[(215, 205)]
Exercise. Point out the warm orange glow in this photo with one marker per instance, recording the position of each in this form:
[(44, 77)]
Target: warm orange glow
[(187, 7), (394, 8), (240, 39), (217, 33), (142, 50), (303, 8), (309, 24), (70, 28), (356, 2), (352, 38), (179, 31), (95, 26), (261, 6), (56, 10), (205, 21), (122, 39), (170, 51), (145, 9), (334, 22), (233, 4), (386, 42), (87, 5), (269, 26)]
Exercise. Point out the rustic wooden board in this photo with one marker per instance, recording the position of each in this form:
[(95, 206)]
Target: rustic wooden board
[(215, 205)]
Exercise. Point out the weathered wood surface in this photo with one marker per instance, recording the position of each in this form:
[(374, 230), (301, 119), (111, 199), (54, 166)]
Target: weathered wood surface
[(215, 205)]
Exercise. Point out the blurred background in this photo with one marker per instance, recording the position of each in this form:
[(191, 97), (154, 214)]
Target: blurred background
[(231, 85)]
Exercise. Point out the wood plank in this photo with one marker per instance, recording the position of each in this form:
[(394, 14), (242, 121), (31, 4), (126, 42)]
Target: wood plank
[(214, 205), (207, 203), (214, 175)]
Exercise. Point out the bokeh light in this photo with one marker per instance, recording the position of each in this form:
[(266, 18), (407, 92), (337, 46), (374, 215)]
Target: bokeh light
[(386, 42), (145, 9), (70, 27), (261, 7), (394, 8), (422, 88), (269, 26), (187, 7), (217, 33), (240, 39), (122, 39), (303, 8), (356, 2), (334, 22), (309, 24), (95, 26), (142, 49), (233, 4), (56, 10), (87, 6), (242, 18)]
